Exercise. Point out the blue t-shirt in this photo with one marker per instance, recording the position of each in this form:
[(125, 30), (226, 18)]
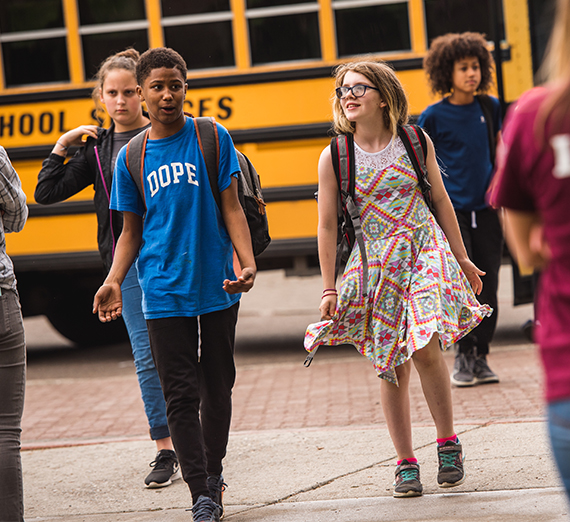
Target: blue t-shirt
[(459, 134), (186, 251)]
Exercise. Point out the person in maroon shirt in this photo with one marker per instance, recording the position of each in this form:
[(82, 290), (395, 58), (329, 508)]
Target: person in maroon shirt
[(533, 185)]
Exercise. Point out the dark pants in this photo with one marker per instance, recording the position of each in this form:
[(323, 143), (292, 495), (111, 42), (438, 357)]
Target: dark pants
[(197, 388), (12, 385), (483, 240)]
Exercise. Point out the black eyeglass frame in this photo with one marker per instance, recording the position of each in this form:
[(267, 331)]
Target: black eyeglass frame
[(340, 90)]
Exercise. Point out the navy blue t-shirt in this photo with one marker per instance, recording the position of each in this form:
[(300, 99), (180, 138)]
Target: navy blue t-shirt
[(459, 134)]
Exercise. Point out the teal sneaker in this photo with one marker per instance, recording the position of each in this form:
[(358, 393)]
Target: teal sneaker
[(407, 480), (451, 457)]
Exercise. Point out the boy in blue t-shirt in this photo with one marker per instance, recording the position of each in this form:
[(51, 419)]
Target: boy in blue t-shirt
[(458, 66), (185, 247)]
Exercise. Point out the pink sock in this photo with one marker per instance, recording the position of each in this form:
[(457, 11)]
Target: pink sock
[(441, 442), (411, 461)]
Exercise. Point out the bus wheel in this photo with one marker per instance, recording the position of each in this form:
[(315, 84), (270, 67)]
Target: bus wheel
[(86, 329), (69, 312)]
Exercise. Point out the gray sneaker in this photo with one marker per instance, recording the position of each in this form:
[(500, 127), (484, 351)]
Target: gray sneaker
[(407, 480), (451, 457), (483, 374), (205, 510), (216, 487), (463, 370)]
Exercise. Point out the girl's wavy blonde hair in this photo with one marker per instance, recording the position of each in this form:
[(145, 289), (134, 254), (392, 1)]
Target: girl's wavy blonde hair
[(383, 77)]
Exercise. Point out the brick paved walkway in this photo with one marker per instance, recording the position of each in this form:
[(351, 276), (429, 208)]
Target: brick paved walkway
[(339, 389)]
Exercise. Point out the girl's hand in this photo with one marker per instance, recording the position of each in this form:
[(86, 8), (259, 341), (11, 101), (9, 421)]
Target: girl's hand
[(328, 307), (108, 302), (74, 136), (473, 275)]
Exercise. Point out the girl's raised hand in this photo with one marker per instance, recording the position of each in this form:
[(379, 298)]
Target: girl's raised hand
[(473, 275), (328, 307), (74, 137)]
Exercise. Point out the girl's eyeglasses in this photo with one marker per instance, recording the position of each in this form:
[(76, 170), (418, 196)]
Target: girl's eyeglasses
[(357, 91)]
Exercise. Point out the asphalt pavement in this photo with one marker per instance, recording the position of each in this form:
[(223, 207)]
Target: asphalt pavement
[(307, 444)]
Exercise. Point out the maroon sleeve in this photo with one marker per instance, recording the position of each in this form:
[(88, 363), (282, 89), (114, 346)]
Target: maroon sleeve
[(512, 186)]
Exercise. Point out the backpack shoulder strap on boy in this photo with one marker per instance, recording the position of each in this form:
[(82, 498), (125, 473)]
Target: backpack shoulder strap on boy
[(415, 142), (488, 110), (249, 186), (342, 155), (135, 160)]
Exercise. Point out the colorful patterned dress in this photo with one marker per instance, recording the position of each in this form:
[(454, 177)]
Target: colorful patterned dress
[(415, 285)]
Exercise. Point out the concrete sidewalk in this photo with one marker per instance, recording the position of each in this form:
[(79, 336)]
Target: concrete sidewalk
[(307, 475), (306, 444)]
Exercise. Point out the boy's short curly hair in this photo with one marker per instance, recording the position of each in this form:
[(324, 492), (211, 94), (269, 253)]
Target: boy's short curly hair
[(446, 50), (157, 58)]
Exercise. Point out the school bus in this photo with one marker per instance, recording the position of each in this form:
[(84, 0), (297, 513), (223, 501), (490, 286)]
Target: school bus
[(262, 68)]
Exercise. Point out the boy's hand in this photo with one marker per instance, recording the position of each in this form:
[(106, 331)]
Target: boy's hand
[(243, 283), (108, 302)]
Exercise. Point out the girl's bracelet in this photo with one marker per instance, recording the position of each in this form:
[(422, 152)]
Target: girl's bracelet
[(63, 147), (330, 293), (329, 290)]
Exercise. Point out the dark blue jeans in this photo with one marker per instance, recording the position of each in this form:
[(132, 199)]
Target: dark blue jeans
[(12, 386), (194, 357)]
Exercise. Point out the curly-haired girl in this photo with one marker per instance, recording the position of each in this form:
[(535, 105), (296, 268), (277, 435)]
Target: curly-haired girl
[(459, 68)]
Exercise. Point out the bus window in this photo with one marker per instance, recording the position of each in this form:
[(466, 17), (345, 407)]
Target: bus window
[(200, 31), (280, 31), (36, 41), (109, 28), (457, 16), (381, 28)]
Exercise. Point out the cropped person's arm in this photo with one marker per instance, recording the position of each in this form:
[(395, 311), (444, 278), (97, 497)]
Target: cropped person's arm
[(12, 198), (447, 220), (236, 223)]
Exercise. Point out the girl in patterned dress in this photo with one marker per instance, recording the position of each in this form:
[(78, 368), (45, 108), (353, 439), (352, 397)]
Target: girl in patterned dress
[(421, 282)]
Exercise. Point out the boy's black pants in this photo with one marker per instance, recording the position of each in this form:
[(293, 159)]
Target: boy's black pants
[(197, 388), (483, 238)]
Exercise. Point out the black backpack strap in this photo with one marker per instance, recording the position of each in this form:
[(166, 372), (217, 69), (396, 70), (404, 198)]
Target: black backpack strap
[(342, 154), (487, 109), (136, 148), (208, 139), (415, 142)]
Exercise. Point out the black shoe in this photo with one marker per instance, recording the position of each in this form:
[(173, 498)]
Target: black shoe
[(407, 480), (451, 472), (205, 510), (463, 370), (216, 487), (483, 374), (166, 469)]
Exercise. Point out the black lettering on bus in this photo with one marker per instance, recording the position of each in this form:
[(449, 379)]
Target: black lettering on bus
[(203, 109), (190, 105), (61, 122), (7, 125), (46, 122), (225, 107), (26, 124)]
